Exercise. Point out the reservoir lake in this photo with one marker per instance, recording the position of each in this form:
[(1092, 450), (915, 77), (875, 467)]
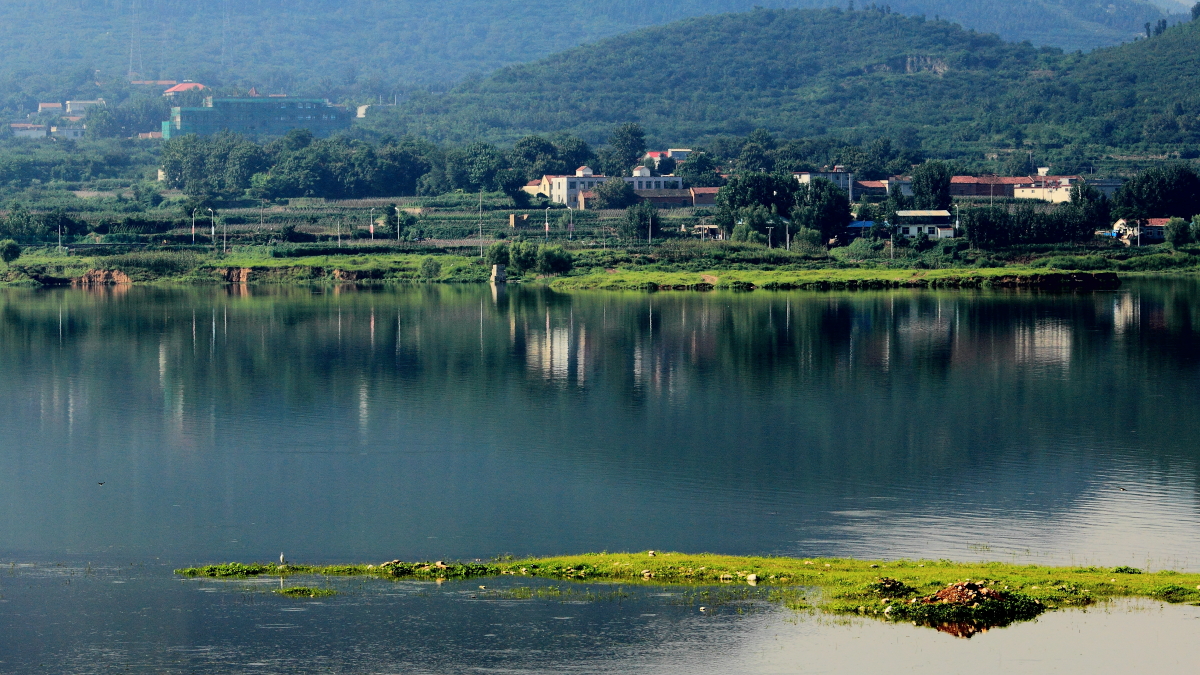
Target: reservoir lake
[(148, 428)]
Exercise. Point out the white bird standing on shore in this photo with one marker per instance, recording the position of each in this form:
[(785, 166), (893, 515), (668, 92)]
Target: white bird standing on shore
[(281, 559)]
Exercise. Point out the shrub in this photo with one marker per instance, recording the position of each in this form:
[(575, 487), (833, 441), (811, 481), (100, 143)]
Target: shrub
[(9, 251), (553, 260), (1179, 232), (430, 269), (289, 233), (522, 257), (497, 254)]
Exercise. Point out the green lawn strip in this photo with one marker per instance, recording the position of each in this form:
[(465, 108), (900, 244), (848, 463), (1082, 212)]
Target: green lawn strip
[(848, 586)]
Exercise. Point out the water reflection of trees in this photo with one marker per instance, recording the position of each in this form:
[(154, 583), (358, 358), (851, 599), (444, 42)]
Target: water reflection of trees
[(894, 360)]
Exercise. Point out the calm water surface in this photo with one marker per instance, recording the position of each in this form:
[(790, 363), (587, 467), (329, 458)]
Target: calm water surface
[(463, 422)]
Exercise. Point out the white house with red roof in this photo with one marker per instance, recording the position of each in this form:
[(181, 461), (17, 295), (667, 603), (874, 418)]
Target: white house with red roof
[(1148, 231)]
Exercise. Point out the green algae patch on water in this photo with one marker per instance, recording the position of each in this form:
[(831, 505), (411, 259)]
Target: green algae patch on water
[(305, 592)]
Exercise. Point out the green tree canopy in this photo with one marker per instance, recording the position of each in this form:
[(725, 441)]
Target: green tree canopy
[(1161, 192), (931, 185), (774, 191), (628, 144), (699, 171), (821, 206), (615, 193), (640, 222)]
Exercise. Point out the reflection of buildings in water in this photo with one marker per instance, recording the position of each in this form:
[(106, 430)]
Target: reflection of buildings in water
[(923, 330), (1127, 310), (551, 351), (1047, 342)]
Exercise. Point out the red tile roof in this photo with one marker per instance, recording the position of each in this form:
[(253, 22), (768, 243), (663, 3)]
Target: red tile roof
[(1157, 222), (186, 86), (706, 190), (990, 180), (533, 183)]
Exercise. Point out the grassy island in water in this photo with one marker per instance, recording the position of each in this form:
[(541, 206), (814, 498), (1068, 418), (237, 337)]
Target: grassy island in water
[(960, 598)]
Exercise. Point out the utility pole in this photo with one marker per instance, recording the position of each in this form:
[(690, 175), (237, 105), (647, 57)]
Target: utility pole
[(194, 226), (397, 222), (770, 231), (571, 226), (339, 232), (547, 223), (372, 226), (480, 222), (224, 235), (650, 230), (213, 233)]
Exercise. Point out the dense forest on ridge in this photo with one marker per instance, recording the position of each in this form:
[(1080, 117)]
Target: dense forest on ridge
[(852, 75)]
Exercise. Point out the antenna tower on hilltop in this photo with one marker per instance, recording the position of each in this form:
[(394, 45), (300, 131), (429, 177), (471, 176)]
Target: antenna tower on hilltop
[(135, 40)]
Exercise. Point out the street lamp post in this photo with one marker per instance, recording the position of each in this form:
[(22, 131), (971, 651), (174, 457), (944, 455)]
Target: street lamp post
[(397, 223), (194, 226), (770, 231), (213, 234), (372, 227), (571, 226), (547, 223)]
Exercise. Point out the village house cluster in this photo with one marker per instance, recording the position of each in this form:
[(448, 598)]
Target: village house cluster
[(577, 191), (252, 115)]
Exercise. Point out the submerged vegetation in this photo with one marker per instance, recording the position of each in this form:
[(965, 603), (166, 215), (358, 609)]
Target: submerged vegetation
[(959, 598)]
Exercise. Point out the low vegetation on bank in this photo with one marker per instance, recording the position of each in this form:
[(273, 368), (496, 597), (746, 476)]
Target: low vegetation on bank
[(961, 598), (676, 265)]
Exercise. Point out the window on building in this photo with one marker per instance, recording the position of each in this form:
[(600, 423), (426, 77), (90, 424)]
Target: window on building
[(658, 185), (933, 230), (904, 230), (571, 185)]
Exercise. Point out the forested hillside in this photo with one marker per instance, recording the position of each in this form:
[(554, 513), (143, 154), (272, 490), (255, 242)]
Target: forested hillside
[(367, 49), (862, 74)]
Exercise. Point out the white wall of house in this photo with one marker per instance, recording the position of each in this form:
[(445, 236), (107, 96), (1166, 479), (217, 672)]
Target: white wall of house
[(843, 179), (67, 132), (566, 189), (34, 131)]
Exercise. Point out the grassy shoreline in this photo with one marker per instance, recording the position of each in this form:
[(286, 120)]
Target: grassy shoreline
[(46, 269), (896, 590)]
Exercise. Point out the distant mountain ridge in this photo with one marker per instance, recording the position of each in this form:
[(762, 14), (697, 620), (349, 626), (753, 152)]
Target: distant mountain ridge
[(806, 73), (368, 49)]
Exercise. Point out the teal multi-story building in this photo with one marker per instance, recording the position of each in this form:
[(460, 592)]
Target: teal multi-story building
[(258, 116)]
